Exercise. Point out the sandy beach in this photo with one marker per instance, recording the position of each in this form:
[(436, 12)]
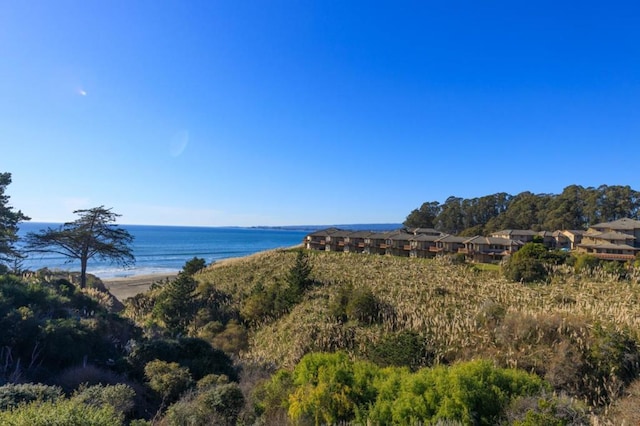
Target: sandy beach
[(123, 288)]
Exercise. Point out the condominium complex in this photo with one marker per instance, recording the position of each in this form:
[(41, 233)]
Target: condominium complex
[(617, 240)]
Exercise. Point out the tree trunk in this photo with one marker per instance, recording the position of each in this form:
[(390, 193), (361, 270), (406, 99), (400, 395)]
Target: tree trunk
[(83, 272)]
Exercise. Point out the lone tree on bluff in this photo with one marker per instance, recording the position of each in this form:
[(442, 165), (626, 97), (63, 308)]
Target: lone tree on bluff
[(91, 235)]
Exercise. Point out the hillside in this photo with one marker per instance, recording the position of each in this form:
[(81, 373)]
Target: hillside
[(289, 336), (580, 332)]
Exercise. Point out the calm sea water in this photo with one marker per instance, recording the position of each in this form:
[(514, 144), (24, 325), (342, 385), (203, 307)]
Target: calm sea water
[(165, 249)]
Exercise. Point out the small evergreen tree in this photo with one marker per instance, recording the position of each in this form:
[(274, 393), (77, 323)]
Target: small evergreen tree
[(194, 265), (175, 305), (298, 276)]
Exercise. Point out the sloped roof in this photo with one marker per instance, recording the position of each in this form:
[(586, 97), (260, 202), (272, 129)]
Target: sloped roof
[(425, 231), (425, 237), (360, 234), (340, 233), (451, 239), (515, 231), (612, 236), (386, 235), (574, 231), (493, 240), (400, 236), (625, 224), (325, 232)]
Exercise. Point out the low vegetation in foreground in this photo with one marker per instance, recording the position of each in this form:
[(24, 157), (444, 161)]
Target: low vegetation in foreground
[(296, 337)]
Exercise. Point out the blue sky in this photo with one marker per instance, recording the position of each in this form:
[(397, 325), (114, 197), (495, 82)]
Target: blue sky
[(297, 112)]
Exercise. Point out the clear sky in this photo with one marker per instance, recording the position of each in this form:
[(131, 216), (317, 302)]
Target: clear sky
[(311, 112)]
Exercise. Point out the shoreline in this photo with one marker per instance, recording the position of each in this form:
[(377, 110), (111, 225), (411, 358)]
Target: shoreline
[(124, 287)]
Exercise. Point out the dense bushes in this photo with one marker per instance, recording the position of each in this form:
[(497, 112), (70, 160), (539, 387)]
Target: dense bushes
[(355, 304), (331, 388), (195, 354), (531, 263), (590, 363), (48, 327), (63, 412), (12, 395), (402, 349), (211, 404), (271, 301)]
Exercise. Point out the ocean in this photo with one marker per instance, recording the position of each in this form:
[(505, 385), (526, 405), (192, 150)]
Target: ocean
[(165, 249)]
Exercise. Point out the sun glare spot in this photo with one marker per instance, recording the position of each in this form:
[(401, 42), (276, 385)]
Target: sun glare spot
[(179, 143), (82, 92)]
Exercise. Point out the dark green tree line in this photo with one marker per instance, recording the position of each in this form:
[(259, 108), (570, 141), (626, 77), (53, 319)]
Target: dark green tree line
[(576, 207)]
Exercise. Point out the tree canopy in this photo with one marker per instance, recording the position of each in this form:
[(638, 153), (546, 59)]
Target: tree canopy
[(9, 220), (92, 235), (575, 208)]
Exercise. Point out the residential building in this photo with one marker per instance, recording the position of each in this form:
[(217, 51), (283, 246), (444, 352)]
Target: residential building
[(524, 235), (616, 240), (489, 249)]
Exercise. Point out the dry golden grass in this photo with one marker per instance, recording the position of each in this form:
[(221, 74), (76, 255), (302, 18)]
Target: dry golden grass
[(441, 301)]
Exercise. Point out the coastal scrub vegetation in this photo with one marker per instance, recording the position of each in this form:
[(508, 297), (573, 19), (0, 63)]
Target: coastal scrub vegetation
[(309, 337), (363, 338)]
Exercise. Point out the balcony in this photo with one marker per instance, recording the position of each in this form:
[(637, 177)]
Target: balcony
[(464, 250), (435, 249), (613, 256)]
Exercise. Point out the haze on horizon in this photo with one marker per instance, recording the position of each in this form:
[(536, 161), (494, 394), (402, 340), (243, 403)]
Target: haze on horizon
[(237, 114)]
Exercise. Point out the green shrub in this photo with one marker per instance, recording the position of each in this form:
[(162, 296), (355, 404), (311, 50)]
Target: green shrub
[(586, 263), (120, 397), (529, 264), (546, 409), (272, 397), (403, 349), (62, 412), (363, 306), (168, 379), (213, 405), (611, 362), (525, 270), (330, 388), (12, 395), (194, 265), (268, 303), (471, 393), (194, 353)]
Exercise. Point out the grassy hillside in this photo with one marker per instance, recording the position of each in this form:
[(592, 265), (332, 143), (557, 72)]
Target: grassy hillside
[(579, 332)]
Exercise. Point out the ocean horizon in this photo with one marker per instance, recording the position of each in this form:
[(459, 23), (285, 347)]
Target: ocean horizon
[(162, 249)]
